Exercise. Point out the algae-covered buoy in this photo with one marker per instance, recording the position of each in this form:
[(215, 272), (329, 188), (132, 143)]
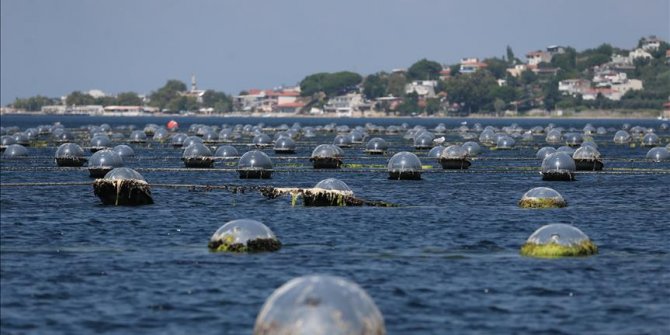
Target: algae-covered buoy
[(326, 156), (454, 157), (404, 166), (197, 155), (123, 187), (243, 235), (70, 154), (328, 192), (255, 164), (542, 197), (558, 240), (319, 304), (558, 166), (102, 162)]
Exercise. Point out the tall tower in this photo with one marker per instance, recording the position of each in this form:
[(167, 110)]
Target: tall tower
[(193, 85)]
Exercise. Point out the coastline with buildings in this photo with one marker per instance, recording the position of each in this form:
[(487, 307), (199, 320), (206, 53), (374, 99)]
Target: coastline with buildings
[(554, 82)]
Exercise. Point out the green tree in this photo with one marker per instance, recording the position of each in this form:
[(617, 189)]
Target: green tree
[(566, 61), (78, 98), (497, 67), (330, 83), (34, 104), (472, 90), (221, 102), (424, 70), (128, 99), (433, 106), (375, 85), (511, 59), (410, 105), (164, 95), (396, 84), (551, 95)]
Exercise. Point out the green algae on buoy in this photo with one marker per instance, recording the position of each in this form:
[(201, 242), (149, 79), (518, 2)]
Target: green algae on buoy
[(558, 240), (243, 235), (542, 197), (123, 187), (319, 304)]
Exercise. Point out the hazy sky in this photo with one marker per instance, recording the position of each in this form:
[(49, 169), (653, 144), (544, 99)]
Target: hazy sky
[(53, 47)]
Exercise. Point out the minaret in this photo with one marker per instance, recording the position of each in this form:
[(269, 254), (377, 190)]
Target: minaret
[(193, 85)]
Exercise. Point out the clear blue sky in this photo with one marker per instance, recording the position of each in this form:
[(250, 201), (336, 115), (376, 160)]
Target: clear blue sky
[(55, 47)]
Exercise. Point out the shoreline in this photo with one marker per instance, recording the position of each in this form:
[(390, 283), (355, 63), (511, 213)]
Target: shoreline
[(599, 114)]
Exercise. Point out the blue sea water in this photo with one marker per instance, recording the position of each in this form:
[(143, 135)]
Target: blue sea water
[(446, 261)]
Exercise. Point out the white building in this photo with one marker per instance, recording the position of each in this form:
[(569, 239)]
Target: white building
[(345, 105), (573, 86), (423, 88), (639, 53)]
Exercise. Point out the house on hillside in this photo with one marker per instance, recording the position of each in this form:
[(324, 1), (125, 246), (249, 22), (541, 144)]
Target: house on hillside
[(471, 65), (346, 105), (517, 70), (573, 87), (536, 57), (651, 43), (267, 101), (639, 54)]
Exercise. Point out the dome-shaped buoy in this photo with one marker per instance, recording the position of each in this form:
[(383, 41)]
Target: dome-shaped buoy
[(542, 197), (255, 164), (622, 137), (424, 141), (505, 143), (197, 155), (454, 157), (150, 129), (137, 136), (70, 154), (22, 139), (376, 146), (123, 187), (573, 139), (436, 152), (177, 140), (587, 158), (554, 136), (124, 151), (100, 142), (15, 151), (284, 145), (404, 166), (210, 137), (342, 141), (192, 139), (226, 151), (102, 162), (558, 166), (326, 156), (243, 235), (650, 140), (262, 140), (658, 154), (472, 148), (564, 148), (319, 304), (7, 140), (544, 152), (161, 135), (356, 137), (558, 240)]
